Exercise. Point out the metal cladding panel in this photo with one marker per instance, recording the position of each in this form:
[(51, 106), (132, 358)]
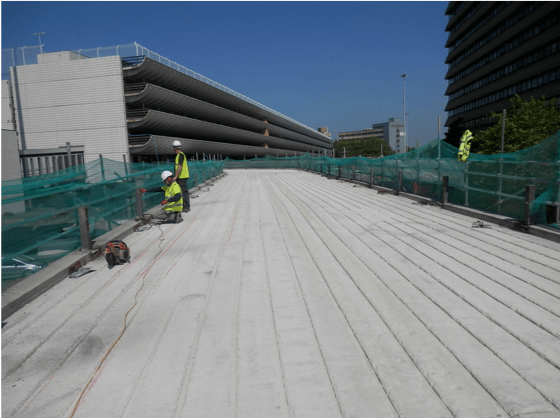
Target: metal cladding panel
[(56, 93), (8, 120), (105, 141), (162, 145), (166, 124), (77, 69), (11, 169), (78, 101), (162, 75)]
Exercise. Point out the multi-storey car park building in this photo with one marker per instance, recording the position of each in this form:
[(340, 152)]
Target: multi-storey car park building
[(129, 101), (497, 50)]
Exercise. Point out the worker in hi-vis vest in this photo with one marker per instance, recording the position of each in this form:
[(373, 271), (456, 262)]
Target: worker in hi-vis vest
[(465, 147), (182, 174), (173, 201)]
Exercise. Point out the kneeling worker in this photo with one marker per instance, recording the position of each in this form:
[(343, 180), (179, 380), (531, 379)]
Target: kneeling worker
[(173, 202), (182, 174)]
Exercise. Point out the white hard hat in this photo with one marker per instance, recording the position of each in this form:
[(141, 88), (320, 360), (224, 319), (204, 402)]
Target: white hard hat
[(166, 174), (176, 144)]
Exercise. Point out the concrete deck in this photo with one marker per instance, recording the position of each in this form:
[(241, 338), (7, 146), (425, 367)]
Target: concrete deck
[(285, 294)]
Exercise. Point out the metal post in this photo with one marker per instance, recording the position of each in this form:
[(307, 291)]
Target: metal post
[(467, 183), (439, 159), (31, 167), (84, 228), (399, 183), (501, 161), (339, 171), (125, 166), (40, 162), (503, 130), (382, 150), (353, 173), (69, 154), (371, 179), (529, 197), (445, 190), (102, 168), (139, 204), (404, 109)]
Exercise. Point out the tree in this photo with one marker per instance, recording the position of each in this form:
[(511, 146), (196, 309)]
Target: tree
[(367, 147), (528, 122)]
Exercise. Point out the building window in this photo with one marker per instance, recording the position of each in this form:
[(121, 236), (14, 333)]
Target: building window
[(536, 81), (544, 24), (505, 24)]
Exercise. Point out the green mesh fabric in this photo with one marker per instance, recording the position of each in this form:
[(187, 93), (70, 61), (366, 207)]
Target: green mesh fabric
[(493, 183), (40, 214)]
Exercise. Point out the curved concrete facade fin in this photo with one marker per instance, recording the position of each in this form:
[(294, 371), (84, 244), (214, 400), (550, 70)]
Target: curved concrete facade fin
[(178, 93), (166, 124), (155, 97), (162, 145)]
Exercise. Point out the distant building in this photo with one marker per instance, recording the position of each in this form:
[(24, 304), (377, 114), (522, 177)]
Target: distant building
[(324, 131), (390, 132), (497, 50), (393, 133)]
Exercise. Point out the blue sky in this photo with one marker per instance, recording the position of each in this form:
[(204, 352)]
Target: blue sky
[(334, 64)]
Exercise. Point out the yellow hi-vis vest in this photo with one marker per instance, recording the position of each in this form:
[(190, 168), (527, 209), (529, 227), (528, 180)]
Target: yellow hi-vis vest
[(465, 147), (170, 192), (184, 174)]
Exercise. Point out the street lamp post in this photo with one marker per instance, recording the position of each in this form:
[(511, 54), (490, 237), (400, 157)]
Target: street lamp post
[(406, 133), (404, 108), (39, 35)]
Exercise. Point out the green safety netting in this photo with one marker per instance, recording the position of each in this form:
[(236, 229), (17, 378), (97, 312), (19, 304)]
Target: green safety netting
[(40, 214), (492, 183)]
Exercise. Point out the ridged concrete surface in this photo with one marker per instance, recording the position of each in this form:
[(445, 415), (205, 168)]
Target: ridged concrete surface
[(284, 294)]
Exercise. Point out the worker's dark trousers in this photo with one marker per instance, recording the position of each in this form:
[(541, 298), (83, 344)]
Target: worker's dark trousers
[(185, 192)]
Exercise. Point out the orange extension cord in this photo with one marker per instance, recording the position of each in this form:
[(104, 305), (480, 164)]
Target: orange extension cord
[(122, 331)]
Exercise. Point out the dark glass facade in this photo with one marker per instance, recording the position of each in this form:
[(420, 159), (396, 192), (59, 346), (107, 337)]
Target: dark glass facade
[(497, 50)]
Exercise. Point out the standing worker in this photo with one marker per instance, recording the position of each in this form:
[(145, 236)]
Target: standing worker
[(182, 174), (465, 147), (173, 202)]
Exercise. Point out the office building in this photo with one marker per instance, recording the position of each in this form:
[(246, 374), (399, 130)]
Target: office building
[(497, 50), (391, 132)]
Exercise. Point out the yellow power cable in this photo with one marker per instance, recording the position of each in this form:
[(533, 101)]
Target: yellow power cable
[(161, 238)]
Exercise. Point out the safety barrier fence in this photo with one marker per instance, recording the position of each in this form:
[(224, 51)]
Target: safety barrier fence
[(41, 214), (492, 183)]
